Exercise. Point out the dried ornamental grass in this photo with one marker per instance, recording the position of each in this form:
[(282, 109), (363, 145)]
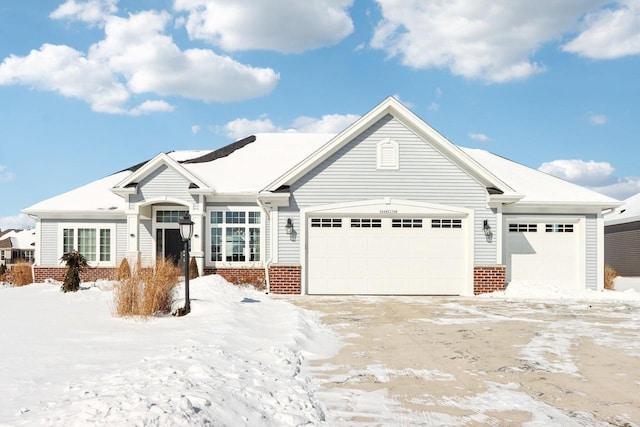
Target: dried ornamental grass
[(124, 271), (21, 274), (609, 276), (148, 291)]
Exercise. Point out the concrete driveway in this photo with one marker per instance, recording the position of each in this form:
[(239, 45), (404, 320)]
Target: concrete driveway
[(477, 361)]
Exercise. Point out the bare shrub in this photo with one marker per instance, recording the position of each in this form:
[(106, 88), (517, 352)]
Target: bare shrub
[(21, 274), (193, 269), (148, 291), (609, 276), (124, 270)]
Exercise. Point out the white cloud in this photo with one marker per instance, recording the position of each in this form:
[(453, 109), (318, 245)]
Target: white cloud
[(90, 11), (136, 57), (609, 33), (491, 40), (598, 176), (589, 173), (17, 221), (597, 119), (195, 129), (330, 123), (479, 137), (148, 107), (434, 106), (5, 174), (240, 128), (621, 189), (287, 26)]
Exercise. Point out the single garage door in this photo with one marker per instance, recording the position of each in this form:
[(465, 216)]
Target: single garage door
[(386, 256), (545, 252)]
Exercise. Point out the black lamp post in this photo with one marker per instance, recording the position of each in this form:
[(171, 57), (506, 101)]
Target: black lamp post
[(186, 231)]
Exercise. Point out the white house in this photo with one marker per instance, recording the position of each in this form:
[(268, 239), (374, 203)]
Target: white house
[(622, 238), (387, 206)]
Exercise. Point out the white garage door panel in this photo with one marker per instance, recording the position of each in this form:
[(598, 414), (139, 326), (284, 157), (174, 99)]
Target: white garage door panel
[(544, 257), (386, 260)]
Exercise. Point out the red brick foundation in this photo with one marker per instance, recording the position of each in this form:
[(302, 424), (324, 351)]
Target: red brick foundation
[(285, 279), (40, 274), (241, 276), (488, 278)]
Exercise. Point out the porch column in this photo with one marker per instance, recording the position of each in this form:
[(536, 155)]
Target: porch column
[(198, 240), (133, 226)]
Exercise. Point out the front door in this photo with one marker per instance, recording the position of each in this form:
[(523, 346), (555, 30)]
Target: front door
[(170, 245)]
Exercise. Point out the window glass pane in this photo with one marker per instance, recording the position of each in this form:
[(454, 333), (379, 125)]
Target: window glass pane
[(87, 243), (169, 216), (216, 243), (216, 217), (254, 244), (235, 244), (67, 240), (105, 244), (235, 217), (254, 217)]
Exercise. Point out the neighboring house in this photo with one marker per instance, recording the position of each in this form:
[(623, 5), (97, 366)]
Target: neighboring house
[(17, 246), (622, 238), (388, 206)]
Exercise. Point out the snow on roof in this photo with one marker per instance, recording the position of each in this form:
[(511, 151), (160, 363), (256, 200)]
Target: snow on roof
[(254, 166), (536, 186), (93, 197), (629, 211), (18, 239)]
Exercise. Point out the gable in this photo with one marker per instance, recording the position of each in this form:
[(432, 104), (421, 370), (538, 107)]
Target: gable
[(421, 171), (164, 181)]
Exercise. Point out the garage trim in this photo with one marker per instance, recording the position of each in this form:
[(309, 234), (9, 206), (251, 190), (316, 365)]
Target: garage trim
[(389, 207)]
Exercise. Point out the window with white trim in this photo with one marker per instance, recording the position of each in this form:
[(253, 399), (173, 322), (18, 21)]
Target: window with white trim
[(326, 222), (235, 235), (523, 228), (406, 223), (446, 223), (94, 242), (366, 223), (559, 228), (388, 153)]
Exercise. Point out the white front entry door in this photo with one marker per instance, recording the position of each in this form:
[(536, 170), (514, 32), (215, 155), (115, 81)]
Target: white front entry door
[(412, 255)]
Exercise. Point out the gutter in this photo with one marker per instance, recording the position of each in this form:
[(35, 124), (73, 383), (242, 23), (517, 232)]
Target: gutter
[(267, 263)]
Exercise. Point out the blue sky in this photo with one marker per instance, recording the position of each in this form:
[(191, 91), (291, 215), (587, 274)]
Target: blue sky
[(88, 88)]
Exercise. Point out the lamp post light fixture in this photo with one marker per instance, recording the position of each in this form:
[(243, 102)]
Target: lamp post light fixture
[(186, 231)]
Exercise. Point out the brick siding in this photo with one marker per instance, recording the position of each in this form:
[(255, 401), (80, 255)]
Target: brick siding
[(488, 278), (57, 273), (241, 276), (285, 279)]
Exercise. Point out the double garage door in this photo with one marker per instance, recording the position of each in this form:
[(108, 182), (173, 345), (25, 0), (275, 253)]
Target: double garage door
[(387, 256)]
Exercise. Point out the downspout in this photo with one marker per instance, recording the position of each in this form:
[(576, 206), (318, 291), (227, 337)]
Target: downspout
[(267, 264)]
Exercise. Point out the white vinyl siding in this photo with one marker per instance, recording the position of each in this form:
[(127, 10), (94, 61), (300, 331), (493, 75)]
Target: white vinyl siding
[(160, 183), (425, 175)]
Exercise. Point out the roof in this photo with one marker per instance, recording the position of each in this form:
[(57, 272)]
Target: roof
[(536, 186), (269, 162), (629, 211), (18, 239)]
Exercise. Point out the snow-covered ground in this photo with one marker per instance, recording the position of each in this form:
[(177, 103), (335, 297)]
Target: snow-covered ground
[(239, 358), (235, 360)]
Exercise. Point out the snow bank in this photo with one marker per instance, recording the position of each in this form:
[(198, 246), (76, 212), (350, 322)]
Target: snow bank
[(626, 283), (545, 291), (234, 360)]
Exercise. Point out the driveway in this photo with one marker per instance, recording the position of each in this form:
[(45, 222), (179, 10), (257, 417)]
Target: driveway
[(477, 361)]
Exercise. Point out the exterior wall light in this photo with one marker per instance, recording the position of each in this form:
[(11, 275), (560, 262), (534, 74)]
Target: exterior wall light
[(487, 229), (289, 227)]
